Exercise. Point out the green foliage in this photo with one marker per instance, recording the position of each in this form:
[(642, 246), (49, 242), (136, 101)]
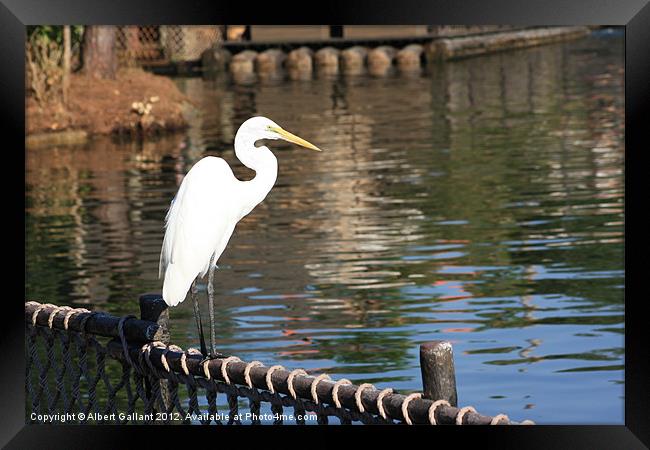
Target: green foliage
[(44, 60), (54, 33)]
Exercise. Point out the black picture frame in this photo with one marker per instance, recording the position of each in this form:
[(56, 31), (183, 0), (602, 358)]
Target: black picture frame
[(633, 14)]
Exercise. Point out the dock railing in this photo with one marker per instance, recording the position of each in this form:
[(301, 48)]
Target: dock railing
[(92, 367)]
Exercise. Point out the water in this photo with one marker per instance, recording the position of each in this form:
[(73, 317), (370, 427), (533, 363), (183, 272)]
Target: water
[(481, 202)]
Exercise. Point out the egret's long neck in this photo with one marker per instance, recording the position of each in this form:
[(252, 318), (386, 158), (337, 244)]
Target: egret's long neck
[(262, 161)]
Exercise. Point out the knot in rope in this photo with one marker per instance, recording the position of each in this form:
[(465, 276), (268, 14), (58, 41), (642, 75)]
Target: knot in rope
[(247, 372), (224, 367), (189, 351), (292, 375), (57, 309), (462, 412), (357, 395), (380, 405), (39, 309), (499, 417), (314, 384), (335, 390), (269, 382), (71, 313), (405, 406), (432, 410)]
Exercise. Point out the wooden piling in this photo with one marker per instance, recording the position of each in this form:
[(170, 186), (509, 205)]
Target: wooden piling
[(242, 66), (409, 58), (327, 61), (154, 309), (380, 60), (269, 64), (215, 60), (300, 64), (438, 373), (354, 60)]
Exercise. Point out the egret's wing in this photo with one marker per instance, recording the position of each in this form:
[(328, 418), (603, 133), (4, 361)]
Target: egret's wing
[(198, 225)]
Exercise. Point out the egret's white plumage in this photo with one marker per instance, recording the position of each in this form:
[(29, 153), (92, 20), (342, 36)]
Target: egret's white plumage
[(210, 202)]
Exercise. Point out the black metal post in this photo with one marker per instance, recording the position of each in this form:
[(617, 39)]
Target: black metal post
[(438, 373)]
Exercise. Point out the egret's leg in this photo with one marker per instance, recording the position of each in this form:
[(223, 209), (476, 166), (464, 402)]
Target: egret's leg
[(213, 340), (197, 315)]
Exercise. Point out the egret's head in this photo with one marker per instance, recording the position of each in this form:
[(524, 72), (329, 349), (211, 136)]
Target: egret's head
[(263, 128)]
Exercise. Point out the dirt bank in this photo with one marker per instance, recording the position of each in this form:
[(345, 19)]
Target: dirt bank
[(136, 102)]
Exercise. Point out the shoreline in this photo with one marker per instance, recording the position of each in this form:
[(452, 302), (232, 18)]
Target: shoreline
[(136, 103)]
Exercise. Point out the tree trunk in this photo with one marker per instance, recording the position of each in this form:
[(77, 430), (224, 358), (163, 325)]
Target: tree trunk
[(66, 63), (99, 51)]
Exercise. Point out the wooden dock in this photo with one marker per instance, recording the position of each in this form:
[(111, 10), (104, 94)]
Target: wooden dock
[(360, 51)]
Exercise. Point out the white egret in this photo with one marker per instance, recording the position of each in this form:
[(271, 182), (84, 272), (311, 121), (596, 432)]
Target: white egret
[(207, 206)]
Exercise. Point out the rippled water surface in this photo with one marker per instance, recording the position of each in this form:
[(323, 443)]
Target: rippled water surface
[(480, 202)]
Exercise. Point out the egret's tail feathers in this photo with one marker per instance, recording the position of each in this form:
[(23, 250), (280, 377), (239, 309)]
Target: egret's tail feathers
[(176, 285)]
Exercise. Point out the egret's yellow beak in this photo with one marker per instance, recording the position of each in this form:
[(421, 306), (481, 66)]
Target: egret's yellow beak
[(295, 139)]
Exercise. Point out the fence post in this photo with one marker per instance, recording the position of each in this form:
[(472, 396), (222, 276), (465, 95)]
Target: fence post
[(438, 373), (154, 309)]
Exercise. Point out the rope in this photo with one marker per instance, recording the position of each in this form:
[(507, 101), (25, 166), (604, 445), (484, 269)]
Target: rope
[(163, 358), (56, 310), (432, 410), (293, 373), (380, 405), (269, 382), (496, 419), (83, 323), (335, 390), (247, 372), (314, 384), (357, 395), (144, 354), (147, 356), (72, 313), (206, 369), (462, 412), (120, 332), (189, 351), (39, 309), (405, 406), (224, 367)]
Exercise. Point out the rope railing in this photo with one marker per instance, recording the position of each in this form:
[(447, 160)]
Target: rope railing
[(144, 386)]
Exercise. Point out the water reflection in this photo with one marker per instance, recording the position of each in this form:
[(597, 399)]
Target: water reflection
[(480, 202)]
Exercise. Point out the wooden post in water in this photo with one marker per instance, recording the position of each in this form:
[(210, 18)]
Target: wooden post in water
[(380, 60), (354, 60), (269, 64), (300, 63), (438, 373), (242, 67), (327, 61), (154, 309), (409, 58)]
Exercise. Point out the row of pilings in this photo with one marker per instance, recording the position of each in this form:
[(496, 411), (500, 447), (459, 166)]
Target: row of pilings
[(301, 63)]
